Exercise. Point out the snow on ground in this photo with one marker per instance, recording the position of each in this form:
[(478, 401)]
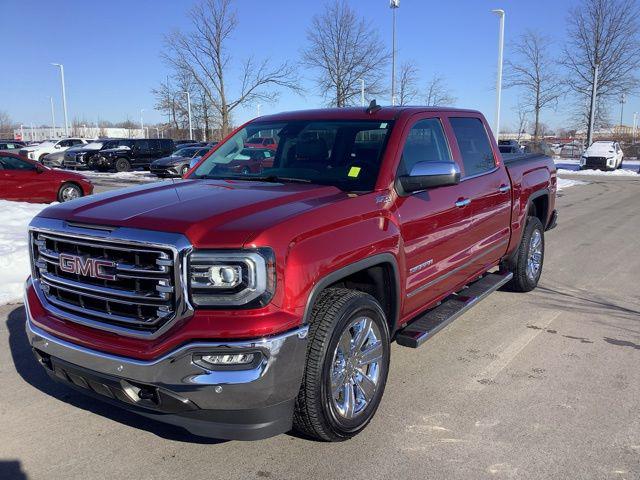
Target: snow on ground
[(572, 165), (137, 176), (623, 172), (14, 253), (567, 182)]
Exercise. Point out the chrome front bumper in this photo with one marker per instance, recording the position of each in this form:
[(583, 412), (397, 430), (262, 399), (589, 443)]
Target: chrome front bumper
[(231, 395)]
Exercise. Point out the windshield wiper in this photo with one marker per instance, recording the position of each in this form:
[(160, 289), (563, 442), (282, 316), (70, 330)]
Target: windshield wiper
[(265, 178)]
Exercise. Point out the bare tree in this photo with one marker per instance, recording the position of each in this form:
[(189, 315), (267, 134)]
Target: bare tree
[(533, 71), (603, 33), (6, 125), (437, 93), (523, 118), (343, 49), (407, 84), (204, 55)]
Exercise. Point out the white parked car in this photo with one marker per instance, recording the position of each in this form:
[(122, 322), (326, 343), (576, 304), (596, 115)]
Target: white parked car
[(38, 152), (603, 155)]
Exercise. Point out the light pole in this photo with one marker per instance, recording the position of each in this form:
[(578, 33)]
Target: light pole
[(64, 99), (500, 14), (635, 125), (362, 91), (623, 99), (592, 112), (53, 118), (22, 132), (394, 5), (84, 131), (142, 122), (189, 109)]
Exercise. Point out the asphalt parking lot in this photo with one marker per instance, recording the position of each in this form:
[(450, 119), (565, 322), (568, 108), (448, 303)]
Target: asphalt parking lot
[(539, 385)]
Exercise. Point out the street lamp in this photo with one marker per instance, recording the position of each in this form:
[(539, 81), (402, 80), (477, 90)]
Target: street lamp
[(64, 98), (189, 109), (22, 132), (623, 100), (362, 91), (592, 111), (142, 122), (635, 126), (394, 5), (53, 118), (500, 14)]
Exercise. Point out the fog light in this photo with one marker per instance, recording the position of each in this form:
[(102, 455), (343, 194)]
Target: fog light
[(221, 360)]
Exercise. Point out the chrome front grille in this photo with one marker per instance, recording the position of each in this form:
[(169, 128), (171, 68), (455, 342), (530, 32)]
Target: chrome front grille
[(138, 292)]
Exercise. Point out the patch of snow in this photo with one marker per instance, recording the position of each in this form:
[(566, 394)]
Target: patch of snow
[(567, 182), (137, 176), (599, 173), (14, 253)]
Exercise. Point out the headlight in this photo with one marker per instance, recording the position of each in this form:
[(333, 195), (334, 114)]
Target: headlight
[(232, 278)]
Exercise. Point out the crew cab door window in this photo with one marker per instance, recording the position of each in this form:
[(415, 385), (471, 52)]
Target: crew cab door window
[(426, 142), (473, 143)]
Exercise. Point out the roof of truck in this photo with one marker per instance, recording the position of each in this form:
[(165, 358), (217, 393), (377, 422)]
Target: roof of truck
[(357, 113)]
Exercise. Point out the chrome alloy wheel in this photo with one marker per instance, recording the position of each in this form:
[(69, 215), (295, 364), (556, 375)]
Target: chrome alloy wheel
[(356, 368), (534, 255), (69, 192)]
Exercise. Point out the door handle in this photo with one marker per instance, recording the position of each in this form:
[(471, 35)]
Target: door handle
[(463, 202), (504, 188)]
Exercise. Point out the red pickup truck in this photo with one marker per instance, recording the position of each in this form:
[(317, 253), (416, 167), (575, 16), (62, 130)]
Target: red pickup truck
[(238, 305)]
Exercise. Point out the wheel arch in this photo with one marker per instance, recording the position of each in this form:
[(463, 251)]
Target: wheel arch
[(377, 275)]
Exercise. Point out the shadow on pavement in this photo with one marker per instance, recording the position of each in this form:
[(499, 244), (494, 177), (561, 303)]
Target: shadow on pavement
[(586, 302), (36, 376), (11, 470)]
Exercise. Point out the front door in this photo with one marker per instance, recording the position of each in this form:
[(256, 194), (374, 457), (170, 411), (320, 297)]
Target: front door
[(435, 229)]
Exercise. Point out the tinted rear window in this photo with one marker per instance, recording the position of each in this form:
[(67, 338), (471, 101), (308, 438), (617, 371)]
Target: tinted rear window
[(473, 142)]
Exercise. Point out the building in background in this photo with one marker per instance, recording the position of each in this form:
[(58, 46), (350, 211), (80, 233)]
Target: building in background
[(28, 134)]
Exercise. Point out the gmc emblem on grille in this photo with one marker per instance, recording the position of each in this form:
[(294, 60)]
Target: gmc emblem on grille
[(87, 267)]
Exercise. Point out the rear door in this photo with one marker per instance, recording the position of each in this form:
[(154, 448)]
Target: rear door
[(487, 188), (434, 230)]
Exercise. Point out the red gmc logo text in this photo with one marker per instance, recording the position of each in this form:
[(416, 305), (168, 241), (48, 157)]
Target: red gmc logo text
[(88, 267)]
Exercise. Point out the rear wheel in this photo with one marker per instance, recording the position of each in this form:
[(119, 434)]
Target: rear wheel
[(122, 165), (68, 192), (527, 266), (346, 367)]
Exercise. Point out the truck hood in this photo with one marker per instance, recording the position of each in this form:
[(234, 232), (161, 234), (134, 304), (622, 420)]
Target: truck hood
[(211, 213), (600, 150)]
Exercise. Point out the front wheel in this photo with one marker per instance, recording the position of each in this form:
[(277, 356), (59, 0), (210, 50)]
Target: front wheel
[(68, 192), (346, 367), (122, 165), (527, 266)]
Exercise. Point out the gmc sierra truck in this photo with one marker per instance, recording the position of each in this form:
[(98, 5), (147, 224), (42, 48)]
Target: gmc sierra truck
[(239, 305)]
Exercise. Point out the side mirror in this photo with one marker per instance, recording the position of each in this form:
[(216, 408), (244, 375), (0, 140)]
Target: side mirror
[(39, 168), (57, 146), (430, 175)]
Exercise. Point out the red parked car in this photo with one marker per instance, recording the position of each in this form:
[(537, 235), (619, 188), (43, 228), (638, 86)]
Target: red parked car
[(262, 142), (24, 180)]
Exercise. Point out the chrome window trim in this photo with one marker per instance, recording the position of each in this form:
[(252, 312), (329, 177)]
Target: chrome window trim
[(178, 244)]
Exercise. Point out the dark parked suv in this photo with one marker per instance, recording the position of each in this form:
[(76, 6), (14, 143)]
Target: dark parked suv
[(134, 153)]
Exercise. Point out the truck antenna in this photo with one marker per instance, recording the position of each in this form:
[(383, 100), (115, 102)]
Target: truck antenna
[(373, 107)]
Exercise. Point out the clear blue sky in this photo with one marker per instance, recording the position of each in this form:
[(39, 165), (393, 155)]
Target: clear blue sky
[(111, 50)]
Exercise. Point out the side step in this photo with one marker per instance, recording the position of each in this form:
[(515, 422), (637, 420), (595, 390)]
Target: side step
[(432, 321)]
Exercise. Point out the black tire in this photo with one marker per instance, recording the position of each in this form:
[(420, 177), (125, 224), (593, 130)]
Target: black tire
[(315, 414), (122, 165), (65, 188), (522, 281)]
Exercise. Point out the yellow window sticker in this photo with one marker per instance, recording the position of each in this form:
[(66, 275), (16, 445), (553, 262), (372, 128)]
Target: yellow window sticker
[(354, 172)]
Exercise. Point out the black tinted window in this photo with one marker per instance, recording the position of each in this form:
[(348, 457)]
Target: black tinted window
[(426, 143), (142, 145), (474, 145), (11, 163)]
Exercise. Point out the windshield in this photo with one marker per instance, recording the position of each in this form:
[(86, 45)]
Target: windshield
[(343, 153)]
